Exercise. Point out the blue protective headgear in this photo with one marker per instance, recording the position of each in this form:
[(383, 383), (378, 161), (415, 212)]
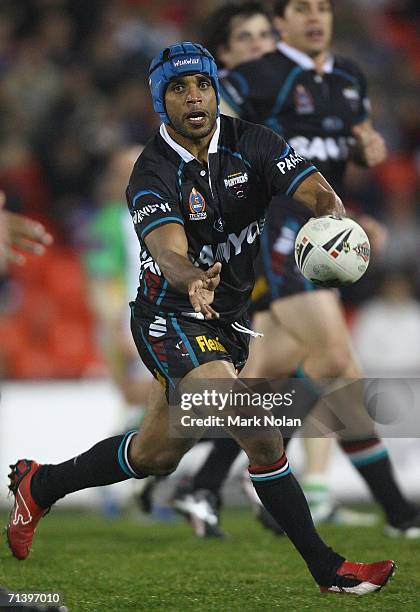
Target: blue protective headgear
[(179, 59)]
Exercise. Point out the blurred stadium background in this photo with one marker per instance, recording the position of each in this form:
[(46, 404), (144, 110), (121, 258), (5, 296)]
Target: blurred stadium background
[(73, 97)]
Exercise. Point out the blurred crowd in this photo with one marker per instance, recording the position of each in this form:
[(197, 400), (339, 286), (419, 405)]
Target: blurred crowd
[(74, 93)]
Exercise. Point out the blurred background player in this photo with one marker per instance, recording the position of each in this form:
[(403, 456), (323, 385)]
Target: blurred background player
[(320, 104)]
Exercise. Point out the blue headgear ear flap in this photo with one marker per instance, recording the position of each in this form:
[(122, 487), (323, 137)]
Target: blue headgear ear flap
[(179, 59)]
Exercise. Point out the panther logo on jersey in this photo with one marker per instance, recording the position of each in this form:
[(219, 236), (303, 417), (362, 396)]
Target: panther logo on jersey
[(237, 184), (197, 205)]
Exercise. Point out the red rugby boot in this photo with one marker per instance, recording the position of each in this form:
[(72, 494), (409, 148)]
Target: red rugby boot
[(361, 578), (26, 513)]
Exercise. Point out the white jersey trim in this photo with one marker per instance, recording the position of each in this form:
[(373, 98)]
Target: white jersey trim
[(304, 61)]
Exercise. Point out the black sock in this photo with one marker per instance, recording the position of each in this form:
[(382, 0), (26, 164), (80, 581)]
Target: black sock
[(103, 464), (283, 498), (215, 469), (371, 460)]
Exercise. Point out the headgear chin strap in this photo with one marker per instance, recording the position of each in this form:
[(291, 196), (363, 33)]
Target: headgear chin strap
[(179, 59)]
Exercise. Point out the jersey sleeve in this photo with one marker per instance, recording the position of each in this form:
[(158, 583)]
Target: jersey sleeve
[(282, 169), (152, 202)]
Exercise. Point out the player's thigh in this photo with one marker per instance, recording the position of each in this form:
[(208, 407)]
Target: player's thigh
[(274, 355), (314, 318)]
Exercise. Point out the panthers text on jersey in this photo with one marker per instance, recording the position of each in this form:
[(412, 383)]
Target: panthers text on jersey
[(222, 207)]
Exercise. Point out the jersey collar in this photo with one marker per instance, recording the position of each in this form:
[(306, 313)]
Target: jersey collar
[(303, 59), (183, 153)]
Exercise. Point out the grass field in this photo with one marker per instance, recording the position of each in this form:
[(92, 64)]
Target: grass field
[(106, 566)]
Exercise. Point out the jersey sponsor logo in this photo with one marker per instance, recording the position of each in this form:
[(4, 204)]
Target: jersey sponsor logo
[(158, 327), (197, 205), (189, 61), (304, 102), (236, 183), (148, 210), (322, 149), (231, 247), (210, 344), (289, 163)]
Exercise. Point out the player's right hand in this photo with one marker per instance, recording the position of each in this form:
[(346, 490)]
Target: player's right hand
[(201, 292)]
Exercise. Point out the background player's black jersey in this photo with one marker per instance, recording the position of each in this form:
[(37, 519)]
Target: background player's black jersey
[(222, 207), (314, 113)]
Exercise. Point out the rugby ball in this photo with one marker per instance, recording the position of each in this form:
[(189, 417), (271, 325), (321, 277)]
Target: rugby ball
[(332, 252)]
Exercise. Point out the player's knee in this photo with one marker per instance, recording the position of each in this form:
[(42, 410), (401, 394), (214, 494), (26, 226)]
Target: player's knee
[(265, 451), (338, 359), (334, 360)]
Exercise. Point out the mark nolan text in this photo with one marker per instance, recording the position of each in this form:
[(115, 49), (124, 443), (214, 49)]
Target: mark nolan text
[(268, 420)]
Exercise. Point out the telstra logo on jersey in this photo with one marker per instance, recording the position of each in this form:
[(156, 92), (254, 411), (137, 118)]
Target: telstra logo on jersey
[(197, 206)]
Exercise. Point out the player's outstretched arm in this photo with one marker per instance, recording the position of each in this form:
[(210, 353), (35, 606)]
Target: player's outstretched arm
[(318, 195), (168, 246)]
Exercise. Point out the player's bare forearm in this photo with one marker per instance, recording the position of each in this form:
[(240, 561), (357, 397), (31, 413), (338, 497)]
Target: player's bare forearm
[(168, 246), (318, 195), (178, 270)]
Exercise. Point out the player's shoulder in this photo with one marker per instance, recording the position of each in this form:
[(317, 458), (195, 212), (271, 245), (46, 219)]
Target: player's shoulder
[(348, 67), (258, 74), (155, 159)]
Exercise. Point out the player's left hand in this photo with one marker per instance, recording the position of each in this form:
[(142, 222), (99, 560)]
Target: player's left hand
[(371, 144), (376, 231)]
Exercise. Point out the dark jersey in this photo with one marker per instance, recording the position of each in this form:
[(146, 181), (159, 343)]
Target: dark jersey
[(221, 207), (314, 113)]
